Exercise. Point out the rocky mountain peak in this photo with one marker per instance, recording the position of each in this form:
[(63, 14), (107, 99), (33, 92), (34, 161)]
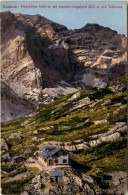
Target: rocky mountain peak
[(90, 26), (38, 53)]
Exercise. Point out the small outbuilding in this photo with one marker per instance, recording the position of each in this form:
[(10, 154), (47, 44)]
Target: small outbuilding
[(17, 159), (56, 176)]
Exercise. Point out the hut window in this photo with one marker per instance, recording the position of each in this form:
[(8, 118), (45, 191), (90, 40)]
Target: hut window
[(64, 160), (56, 161)]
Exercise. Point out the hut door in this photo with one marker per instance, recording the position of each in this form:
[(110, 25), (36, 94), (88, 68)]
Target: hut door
[(50, 162), (51, 179), (56, 179)]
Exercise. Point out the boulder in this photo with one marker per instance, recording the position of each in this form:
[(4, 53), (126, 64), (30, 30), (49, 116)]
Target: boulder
[(78, 180), (93, 143), (119, 183), (6, 157), (24, 193), (4, 145), (75, 96), (113, 134), (122, 129), (113, 137), (85, 101), (87, 178), (27, 151), (41, 139), (35, 132), (100, 122), (35, 139), (17, 135), (105, 102), (88, 190)]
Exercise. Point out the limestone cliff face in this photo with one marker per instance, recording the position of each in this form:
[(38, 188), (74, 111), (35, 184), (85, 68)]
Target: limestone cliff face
[(27, 65), (98, 54), (37, 53), (13, 106)]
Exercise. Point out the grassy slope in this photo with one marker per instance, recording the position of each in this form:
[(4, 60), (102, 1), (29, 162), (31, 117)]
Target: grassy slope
[(78, 124)]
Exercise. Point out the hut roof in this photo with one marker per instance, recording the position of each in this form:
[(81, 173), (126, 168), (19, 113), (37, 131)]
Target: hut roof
[(56, 173)]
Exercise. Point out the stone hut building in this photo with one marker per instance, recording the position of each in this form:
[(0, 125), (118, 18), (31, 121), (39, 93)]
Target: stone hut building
[(56, 176), (50, 155)]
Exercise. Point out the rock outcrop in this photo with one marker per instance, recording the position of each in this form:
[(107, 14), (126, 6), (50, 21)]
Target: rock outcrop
[(13, 106), (37, 52), (115, 133), (16, 136), (28, 61), (20, 176), (119, 180), (4, 145)]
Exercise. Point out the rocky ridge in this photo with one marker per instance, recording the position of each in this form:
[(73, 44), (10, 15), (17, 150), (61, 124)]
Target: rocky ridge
[(38, 54), (114, 133)]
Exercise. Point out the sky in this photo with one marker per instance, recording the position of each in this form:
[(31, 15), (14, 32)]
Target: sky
[(75, 18)]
